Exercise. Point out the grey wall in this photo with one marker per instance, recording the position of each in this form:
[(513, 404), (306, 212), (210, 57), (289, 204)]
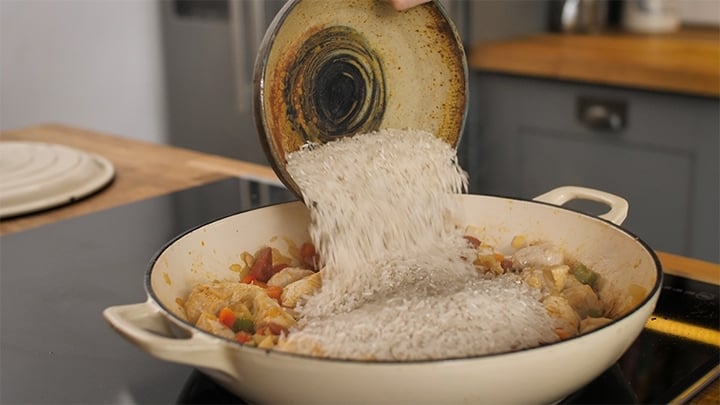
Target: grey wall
[(93, 64), (203, 102)]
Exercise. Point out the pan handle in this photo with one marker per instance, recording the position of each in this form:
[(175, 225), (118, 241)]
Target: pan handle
[(561, 195), (144, 325)]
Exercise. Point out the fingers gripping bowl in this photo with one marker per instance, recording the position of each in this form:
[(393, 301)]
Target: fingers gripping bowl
[(547, 373)]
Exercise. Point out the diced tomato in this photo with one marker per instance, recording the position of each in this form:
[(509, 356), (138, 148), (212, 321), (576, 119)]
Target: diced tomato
[(309, 256), (506, 264), (475, 242), (276, 268), (312, 262), (243, 337), (276, 329), (262, 267), (307, 249), (226, 316)]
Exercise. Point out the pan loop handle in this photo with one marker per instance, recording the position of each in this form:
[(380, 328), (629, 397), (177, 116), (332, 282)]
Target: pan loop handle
[(145, 326), (561, 195)]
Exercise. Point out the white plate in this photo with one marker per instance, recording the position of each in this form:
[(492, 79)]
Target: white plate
[(36, 176)]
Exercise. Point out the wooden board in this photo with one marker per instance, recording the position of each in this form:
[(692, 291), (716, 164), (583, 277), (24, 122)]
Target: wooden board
[(143, 170)]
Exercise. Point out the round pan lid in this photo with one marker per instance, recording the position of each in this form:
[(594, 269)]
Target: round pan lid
[(36, 176), (329, 69)]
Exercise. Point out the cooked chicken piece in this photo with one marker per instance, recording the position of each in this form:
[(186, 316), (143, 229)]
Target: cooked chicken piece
[(304, 345), (211, 297), (559, 275), (583, 300), (267, 310), (295, 292), (288, 275), (210, 323), (241, 310), (268, 342), (534, 278), (590, 324), (548, 280), (489, 263), (566, 320), (540, 255)]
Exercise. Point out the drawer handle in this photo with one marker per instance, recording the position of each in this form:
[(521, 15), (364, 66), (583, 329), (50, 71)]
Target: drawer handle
[(604, 115)]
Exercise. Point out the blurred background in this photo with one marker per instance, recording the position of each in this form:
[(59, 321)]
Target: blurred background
[(614, 95)]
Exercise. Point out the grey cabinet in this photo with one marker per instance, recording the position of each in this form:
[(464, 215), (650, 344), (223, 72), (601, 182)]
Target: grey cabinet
[(526, 136)]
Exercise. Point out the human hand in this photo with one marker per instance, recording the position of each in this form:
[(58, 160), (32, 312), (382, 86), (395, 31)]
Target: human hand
[(401, 5)]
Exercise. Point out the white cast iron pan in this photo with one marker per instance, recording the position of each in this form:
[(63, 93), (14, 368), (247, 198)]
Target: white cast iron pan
[(540, 375)]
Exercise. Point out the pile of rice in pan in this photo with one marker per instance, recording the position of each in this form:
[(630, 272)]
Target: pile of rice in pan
[(396, 284)]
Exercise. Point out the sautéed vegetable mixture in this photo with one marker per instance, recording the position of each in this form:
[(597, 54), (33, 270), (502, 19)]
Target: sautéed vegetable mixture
[(258, 308)]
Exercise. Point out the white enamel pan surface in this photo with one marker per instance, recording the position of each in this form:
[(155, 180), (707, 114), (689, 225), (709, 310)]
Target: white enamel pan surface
[(544, 374)]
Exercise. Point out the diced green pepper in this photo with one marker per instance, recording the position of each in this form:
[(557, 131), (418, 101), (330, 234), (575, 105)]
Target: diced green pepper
[(244, 324), (584, 275)]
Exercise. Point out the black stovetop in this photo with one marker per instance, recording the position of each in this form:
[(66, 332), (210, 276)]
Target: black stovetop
[(56, 280)]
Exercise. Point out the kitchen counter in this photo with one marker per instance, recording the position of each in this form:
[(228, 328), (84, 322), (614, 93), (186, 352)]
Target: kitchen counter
[(686, 62), (144, 170)]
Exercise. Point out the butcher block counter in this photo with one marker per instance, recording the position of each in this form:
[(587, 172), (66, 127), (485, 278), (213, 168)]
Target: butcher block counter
[(145, 170), (686, 62)]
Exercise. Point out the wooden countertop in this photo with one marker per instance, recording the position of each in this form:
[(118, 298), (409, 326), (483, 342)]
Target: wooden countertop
[(145, 170), (686, 62), (142, 170)]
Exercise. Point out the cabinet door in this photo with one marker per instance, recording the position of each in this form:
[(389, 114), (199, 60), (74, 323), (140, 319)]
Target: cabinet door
[(657, 183), (664, 160)]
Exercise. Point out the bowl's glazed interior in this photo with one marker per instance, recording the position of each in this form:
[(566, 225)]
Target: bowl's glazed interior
[(327, 70), (632, 278)]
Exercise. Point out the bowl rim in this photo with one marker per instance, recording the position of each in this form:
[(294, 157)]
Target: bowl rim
[(651, 295)]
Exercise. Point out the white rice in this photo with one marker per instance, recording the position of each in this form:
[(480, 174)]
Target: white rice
[(396, 285)]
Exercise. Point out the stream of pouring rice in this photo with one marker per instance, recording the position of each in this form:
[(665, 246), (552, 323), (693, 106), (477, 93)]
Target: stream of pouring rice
[(396, 282)]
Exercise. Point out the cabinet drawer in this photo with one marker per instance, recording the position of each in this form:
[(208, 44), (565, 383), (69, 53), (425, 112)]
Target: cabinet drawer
[(529, 136)]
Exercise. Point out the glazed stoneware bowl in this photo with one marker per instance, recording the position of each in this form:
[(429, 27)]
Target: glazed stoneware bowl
[(329, 69), (544, 374)]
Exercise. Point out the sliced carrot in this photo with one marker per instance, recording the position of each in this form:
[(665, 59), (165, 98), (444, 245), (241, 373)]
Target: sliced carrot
[(249, 278), (226, 316), (243, 337), (274, 292)]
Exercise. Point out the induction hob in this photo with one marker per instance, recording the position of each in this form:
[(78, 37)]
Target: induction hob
[(56, 280)]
